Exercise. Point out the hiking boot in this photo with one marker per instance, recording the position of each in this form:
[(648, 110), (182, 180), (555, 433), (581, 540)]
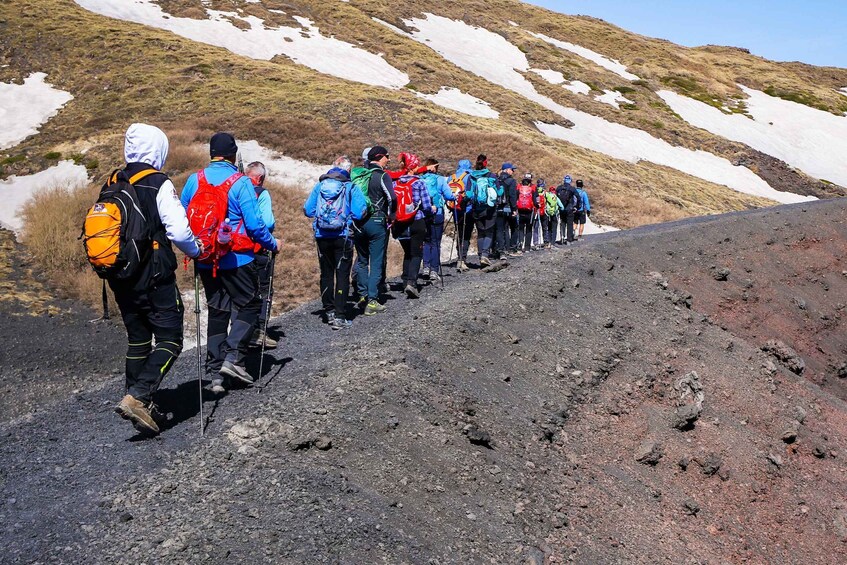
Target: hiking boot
[(129, 408), (362, 302), (256, 340), (341, 324), (218, 385), (330, 317), (485, 261), (411, 291), (434, 277), (374, 307), (462, 267), (237, 372), (426, 272)]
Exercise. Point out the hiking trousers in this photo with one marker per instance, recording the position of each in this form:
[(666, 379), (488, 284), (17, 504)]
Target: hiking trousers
[(567, 225), (523, 240), (232, 294), (432, 245), (154, 313), (464, 232), (413, 248), (550, 227), (371, 241), (485, 223), (335, 256), (506, 227), (263, 269)]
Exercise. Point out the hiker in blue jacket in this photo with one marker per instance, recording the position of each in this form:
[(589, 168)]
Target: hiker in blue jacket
[(412, 234), (440, 194), (257, 173), (335, 203), (463, 219), (583, 208), (235, 285)]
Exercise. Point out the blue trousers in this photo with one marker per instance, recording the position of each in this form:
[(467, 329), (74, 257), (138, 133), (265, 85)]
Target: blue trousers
[(432, 245)]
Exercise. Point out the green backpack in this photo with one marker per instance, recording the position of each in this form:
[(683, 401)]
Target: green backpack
[(361, 178), (552, 207)]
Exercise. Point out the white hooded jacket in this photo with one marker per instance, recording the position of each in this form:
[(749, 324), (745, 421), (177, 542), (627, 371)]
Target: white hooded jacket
[(148, 144)]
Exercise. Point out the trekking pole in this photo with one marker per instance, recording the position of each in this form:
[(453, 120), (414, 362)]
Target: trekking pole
[(197, 346), (267, 316)]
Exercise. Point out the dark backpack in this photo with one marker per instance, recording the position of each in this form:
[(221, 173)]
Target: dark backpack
[(116, 233)]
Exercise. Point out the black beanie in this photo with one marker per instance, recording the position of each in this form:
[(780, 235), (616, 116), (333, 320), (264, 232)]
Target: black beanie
[(222, 144), (377, 152), (579, 183)]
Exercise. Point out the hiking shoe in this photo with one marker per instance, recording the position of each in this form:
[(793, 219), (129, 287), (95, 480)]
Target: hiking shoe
[(484, 261), (330, 317), (129, 408), (462, 267), (434, 277), (374, 307), (218, 385), (426, 272), (411, 291), (362, 302), (237, 372), (256, 340), (341, 324)]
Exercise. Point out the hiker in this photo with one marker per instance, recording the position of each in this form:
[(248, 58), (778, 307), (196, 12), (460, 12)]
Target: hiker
[(370, 234), (257, 174), (483, 194), (567, 194), (149, 300), (537, 225), (230, 279), (550, 220), (527, 205), (440, 194), (583, 210), (335, 204), (507, 212), (463, 219), (414, 213)]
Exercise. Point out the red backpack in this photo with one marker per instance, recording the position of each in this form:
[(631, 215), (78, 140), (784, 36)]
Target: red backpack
[(206, 212), (406, 207), (525, 197)]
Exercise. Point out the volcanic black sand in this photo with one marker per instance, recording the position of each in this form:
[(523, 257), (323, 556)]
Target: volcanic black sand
[(606, 402)]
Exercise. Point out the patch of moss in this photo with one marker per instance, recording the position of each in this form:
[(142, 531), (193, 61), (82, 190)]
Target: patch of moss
[(11, 160), (693, 89), (624, 89), (52, 155), (805, 98), (628, 106), (640, 82)]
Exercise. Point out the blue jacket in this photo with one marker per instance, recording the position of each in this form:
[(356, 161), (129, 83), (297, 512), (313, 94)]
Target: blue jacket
[(266, 211), (243, 205), (330, 186), (586, 205), (439, 193)]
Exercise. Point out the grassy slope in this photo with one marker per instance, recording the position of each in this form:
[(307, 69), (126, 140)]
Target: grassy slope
[(189, 87)]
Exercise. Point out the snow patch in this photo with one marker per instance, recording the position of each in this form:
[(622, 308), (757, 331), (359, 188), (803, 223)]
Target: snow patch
[(577, 87), (282, 169), (634, 145), (460, 43), (15, 191), (613, 98), (843, 91), (25, 107), (513, 24), (811, 140), (553, 77), (455, 99), (305, 45), (612, 65)]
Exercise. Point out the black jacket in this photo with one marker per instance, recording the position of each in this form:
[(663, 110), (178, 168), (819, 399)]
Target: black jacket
[(510, 191), (381, 192), (567, 194)]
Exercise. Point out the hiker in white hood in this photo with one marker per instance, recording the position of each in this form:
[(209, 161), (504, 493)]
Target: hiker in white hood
[(150, 301)]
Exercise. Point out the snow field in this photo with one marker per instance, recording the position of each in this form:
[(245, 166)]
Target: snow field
[(613, 98), (305, 45), (612, 65), (455, 99), (577, 87), (15, 191), (282, 169), (553, 77), (811, 140), (25, 107)]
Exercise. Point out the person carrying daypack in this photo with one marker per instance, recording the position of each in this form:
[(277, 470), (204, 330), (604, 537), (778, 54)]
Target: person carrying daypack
[(537, 228), (127, 236), (583, 210), (550, 221), (567, 194), (507, 212), (371, 232), (527, 205), (335, 203), (440, 193), (462, 212), (414, 212), (257, 173), (220, 202), (482, 191)]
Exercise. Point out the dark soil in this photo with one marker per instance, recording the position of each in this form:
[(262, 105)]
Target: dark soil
[(569, 407)]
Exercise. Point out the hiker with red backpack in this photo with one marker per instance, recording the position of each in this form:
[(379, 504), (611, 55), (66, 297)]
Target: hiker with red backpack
[(462, 208), (414, 212), (224, 213), (335, 203), (440, 194), (527, 205), (370, 234), (127, 236)]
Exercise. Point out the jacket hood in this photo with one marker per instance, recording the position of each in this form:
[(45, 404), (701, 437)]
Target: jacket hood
[(331, 186), (146, 144), (464, 166), (337, 174), (480, 173)]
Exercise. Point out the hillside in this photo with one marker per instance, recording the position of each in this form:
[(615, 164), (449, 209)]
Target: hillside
[(525, 416)]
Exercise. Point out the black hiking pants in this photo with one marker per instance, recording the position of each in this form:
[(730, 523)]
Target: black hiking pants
[(524, 237), (155, 313), (485, 223), (263, 269), (233, 293), (464, 232), (335, 256), (567, 224), (413, 246)]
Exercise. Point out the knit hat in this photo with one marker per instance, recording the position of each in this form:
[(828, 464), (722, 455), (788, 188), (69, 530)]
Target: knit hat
[(222, 144), (377, 152), (579, 183)]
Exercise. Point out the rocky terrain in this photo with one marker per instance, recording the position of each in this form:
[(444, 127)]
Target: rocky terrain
[(670, 394)]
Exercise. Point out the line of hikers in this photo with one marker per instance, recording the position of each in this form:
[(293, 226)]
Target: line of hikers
[(223, 220)]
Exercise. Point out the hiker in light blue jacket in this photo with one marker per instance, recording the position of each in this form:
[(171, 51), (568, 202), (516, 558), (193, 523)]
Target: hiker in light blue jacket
[(335, 203), (440, 194), (583, 209)]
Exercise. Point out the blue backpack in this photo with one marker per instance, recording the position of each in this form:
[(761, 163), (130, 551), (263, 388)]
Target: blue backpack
[(332, 212), (483, 192), (431, 182)]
